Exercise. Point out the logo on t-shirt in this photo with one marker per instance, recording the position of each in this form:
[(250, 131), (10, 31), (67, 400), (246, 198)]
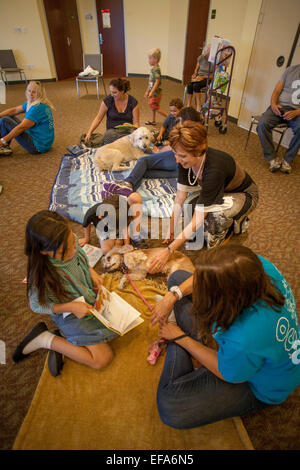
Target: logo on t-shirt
[(296, 93)]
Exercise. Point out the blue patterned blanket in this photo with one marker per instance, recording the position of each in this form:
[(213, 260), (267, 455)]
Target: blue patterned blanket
[(78, 185)]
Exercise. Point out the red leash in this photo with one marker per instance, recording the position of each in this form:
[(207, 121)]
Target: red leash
[(139, 292)]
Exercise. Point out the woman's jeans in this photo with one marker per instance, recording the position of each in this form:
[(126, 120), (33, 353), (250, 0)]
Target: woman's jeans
[(157, 165), (7, 123), (266, 124), (188, 398)]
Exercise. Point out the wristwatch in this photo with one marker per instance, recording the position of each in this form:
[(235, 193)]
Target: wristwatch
[(176, 290), (3, 141)]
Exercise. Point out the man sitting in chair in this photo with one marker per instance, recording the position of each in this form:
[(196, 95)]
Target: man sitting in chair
[(285, 108)]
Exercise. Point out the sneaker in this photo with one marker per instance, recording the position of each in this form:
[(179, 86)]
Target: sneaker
[(5, 150), (124, 188), (285, 167), (274, 165), (220, 238), (139, 244)]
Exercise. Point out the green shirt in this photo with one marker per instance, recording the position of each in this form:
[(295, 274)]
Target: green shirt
[(77, 278), (154, 75)]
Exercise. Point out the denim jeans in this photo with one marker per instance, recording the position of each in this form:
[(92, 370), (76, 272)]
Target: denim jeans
[(157, 165), (267, 122), (7, 123), (188, 398)]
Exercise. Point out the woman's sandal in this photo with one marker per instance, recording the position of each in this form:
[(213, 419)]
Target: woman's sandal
[(150, 123)]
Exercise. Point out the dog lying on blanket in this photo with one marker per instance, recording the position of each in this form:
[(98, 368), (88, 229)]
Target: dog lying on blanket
[(127, 148), (138, 261)]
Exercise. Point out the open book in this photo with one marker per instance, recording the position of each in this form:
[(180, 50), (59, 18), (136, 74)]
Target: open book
[(115, 313), (93, 253)]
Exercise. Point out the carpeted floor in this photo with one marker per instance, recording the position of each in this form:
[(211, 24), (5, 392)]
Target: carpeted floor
[(27, 182)]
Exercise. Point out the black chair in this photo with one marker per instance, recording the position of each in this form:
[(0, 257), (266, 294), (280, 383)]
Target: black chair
[(95, 61), (8, 65), (280, 129)]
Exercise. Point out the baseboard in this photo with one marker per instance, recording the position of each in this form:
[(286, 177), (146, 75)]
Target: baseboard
[(15, 82), (145, 75)]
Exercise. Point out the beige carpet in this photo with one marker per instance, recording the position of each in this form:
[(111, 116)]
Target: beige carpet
[(115, 408)]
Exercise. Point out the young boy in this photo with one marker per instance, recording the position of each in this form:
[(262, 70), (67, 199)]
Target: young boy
[(112, 233), (153, 92), (171, 120)]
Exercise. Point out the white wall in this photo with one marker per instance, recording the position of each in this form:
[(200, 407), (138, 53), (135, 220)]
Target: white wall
[(88, 28), (236, 21), (29, 43)]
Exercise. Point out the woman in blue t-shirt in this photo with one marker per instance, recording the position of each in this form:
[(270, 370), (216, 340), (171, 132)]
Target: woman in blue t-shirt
[(119, 108), (35, 133), (247, 305)]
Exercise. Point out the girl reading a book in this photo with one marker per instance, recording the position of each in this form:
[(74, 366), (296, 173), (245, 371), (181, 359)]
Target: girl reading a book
[(57, 274)]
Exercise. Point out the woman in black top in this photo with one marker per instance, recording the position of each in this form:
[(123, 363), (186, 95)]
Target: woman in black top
[(222, 194), (120, 108)]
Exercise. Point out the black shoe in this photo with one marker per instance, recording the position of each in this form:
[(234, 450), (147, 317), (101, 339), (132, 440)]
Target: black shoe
[(36, 331), (55, 360), (140, 244)]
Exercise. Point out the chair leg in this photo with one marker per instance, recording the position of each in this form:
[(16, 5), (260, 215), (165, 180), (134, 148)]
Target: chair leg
[(97, 85), (77, 87), (249, 132), (281, 137), (86, 88)]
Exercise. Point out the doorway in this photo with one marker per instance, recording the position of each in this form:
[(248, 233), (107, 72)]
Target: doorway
[(265, 69), (63, 25), (110, 16), (195, 35)]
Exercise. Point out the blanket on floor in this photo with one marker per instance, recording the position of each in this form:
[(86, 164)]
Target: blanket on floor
[(78, 185), (115, 408)]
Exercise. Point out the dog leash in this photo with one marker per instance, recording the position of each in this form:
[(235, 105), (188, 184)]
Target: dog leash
[(125, 271)]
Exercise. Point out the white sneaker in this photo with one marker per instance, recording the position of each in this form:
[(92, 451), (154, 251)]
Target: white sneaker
[(274, 165), (88, 71), (285, 167)]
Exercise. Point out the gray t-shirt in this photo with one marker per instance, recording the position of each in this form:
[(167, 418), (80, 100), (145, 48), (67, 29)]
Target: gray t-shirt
[(290, 95), (203, 66)]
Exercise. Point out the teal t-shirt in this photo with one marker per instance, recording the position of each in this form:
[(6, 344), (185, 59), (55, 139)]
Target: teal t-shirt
[(42, 132), (262, 346)]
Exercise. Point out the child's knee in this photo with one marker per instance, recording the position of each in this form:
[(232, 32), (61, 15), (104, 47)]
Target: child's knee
[(103, 360)]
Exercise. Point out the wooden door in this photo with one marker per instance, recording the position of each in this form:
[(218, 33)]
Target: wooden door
[(195, 35), (63, 24), (112, 39)]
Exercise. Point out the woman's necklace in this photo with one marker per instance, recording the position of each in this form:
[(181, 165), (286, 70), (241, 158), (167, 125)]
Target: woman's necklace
[(121, 105), (195, 176)]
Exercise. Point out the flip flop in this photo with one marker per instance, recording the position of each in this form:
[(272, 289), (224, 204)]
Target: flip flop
[(150, 123)]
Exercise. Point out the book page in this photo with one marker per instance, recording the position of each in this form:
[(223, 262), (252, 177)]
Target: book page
[(115, 313)]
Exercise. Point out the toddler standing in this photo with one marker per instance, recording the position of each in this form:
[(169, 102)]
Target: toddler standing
[(153, 92)]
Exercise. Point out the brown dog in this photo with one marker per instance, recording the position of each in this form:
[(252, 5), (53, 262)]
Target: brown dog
[(138, 262)]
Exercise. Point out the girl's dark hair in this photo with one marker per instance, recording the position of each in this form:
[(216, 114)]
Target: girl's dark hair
[(189, 113), (114, 200), (122, 84), (45, 231), (228, 280)]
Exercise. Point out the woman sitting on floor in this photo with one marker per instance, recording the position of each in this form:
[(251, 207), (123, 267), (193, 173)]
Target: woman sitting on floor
[(35, 133), (245, 302), (120, 108), (222, 193)]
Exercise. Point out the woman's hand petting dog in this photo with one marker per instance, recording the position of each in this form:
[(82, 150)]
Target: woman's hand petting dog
[(159, 261)]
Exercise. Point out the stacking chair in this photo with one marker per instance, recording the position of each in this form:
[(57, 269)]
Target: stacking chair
[(8, 65), (96, 62), (280, 129)]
